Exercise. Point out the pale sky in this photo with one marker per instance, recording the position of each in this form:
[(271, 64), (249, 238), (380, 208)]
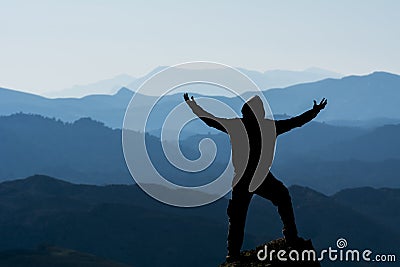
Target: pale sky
[(51, 45)]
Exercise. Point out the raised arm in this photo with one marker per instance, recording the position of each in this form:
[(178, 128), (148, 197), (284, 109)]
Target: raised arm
[(283, 126), (205, 116)]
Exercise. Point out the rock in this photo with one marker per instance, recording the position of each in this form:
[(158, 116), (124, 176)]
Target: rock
[(249, 258)]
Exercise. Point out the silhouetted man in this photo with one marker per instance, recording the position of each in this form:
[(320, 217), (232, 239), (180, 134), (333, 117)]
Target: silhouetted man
[(252, 149)]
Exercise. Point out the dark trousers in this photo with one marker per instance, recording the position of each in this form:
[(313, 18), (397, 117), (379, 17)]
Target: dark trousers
[(271, 189)]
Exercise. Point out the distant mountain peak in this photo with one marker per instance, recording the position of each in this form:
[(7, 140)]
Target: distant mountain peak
[(124, 91), (87, 121), (35, 184), (383, 74), (372, 74), (41, 178), (105, 86)]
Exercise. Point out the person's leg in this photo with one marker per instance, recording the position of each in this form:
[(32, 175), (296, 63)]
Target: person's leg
[(237, 212), (278, 194)]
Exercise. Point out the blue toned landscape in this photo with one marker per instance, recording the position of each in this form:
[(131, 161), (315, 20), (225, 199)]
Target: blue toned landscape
[(65, 185), (107, 158)]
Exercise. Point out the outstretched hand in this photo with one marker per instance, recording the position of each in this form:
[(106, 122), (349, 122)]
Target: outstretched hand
[(321, 104), (187, 99)]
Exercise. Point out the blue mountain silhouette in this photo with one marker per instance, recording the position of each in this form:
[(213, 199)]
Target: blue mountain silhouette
[(372, 98)]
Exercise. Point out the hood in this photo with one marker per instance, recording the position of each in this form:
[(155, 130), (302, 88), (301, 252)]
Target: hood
[(254, 107)]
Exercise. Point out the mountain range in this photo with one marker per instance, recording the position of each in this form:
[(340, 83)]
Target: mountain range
[(104, 87), (318, 155), (265, 80), (369, 100), (342, 170), (121, 223)]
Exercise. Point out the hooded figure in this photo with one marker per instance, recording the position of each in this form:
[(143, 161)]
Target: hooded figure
[(253, 141)]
